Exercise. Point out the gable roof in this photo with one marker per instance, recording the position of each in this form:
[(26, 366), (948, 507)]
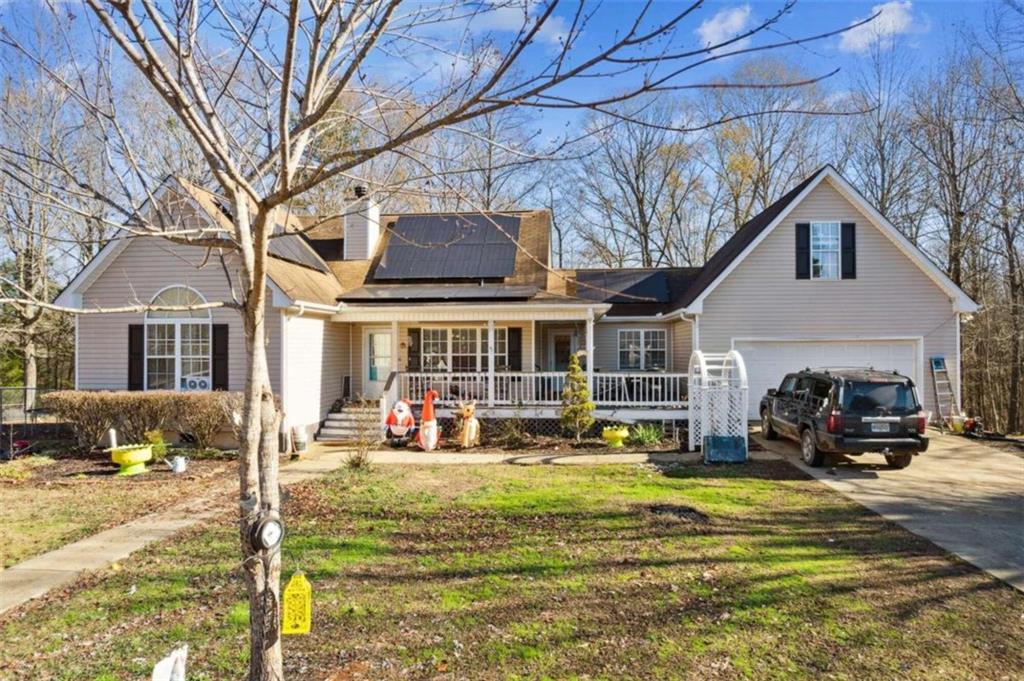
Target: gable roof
[(743, 237), (294, 268), (751, 233)]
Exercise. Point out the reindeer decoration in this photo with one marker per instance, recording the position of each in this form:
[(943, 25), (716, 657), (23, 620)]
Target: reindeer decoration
[(470, 424)]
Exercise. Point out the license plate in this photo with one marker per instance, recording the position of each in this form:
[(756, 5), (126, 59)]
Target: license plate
[(879, 427)]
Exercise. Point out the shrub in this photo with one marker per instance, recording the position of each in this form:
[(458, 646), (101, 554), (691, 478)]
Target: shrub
[(90, 414), (577, 408), (156, 438), (645, 434), (201, 415), (139, 413)]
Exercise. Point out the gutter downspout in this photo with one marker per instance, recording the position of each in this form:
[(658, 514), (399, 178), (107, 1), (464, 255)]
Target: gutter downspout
[(695, 329)]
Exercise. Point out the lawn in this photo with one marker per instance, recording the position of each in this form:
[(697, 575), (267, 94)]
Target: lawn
[(514, 572), (51, 500)]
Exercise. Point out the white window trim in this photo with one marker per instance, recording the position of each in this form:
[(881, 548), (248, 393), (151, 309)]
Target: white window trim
[(481, 347), (177, 323), (643, 334), (838, 251)]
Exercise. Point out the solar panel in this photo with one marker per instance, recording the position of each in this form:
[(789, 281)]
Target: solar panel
[(293, 247), (645, 286), (466, 246)]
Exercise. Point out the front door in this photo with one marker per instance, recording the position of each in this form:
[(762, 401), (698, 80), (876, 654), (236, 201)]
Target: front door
[(562, 347), (377, 344)]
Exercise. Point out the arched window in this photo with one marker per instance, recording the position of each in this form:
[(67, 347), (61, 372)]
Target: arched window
[(178, 342)]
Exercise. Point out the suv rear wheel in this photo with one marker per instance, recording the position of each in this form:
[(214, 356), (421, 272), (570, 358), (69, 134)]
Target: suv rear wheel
[(898, 460), (766, 426), (809, 451)]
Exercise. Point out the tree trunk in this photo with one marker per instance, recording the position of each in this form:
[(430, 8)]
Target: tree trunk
[(30, 364), (258, 470)]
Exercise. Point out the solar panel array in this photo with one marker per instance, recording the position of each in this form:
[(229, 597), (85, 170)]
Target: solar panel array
[(450, 247), (634, 286), (293, 247)]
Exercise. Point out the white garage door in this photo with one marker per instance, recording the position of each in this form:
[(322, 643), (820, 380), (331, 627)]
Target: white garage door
[(768, 361)]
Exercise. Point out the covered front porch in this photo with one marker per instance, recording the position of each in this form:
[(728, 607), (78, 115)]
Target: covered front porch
[(510, 358)]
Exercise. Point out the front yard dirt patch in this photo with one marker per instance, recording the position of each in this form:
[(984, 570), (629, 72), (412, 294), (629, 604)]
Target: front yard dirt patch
[(507, 572), (49, 501)]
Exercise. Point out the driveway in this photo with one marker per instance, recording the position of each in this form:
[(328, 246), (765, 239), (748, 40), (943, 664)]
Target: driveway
[(965, 496)]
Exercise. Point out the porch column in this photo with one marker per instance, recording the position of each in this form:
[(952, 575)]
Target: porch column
[(394, 346), (490, 362), (590, 352)]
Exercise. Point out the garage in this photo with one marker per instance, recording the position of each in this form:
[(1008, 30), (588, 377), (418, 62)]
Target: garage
[(769, 360)]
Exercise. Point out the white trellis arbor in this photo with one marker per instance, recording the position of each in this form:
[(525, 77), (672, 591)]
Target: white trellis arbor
[(718, 396)]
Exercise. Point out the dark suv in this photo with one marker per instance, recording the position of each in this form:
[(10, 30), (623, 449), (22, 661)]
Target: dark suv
[(847, 411)]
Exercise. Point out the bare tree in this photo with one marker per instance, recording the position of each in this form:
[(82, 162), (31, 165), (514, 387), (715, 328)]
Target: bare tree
[(638, 188), (875, 149), (756, 158), (251, 85)]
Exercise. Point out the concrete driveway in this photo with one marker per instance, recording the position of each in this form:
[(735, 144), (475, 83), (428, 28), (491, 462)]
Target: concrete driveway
[(965, 496)]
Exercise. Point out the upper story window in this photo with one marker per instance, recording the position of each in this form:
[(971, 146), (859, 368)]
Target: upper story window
[(643, 349), (178, 343), (825, 250)]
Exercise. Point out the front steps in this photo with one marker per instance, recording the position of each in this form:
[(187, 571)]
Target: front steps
[(351, 424)]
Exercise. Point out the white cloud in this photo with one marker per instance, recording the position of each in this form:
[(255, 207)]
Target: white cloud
[(894, 18), (513, 15), (726, 24)]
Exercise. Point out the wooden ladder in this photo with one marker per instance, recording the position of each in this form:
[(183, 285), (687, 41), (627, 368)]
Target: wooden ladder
[(944, 397)]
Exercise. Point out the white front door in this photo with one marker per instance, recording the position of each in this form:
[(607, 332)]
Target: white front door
[(768, 362), (376, 361)]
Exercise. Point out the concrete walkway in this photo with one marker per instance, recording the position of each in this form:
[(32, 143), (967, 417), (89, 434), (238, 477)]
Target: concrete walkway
[(36, 576), (965, 496)]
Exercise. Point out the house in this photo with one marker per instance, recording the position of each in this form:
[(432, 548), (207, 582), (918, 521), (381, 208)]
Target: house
[(387, 306)]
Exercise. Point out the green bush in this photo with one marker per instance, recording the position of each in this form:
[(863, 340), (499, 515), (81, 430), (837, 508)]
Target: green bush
[(645, 434), (156, 438), (577, 407)]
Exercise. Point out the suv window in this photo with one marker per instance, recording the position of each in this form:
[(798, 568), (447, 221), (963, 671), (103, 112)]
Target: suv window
[(863, 397), (821, 390), (804, 387), (786, 388)]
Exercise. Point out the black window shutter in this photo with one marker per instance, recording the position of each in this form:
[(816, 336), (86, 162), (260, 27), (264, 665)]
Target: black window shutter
[(136, 355), (413, 362), (803, 250), (849, 240), (515, 348), (220, 356)]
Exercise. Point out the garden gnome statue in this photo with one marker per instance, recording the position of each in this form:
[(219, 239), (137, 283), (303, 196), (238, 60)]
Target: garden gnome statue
[(429, 432), (400, 424), (470, 426)]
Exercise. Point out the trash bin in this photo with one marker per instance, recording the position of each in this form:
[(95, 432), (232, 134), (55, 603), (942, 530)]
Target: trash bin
[(725, 449)]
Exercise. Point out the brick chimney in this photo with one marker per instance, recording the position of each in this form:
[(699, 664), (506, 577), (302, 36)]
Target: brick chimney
[(362, 227)]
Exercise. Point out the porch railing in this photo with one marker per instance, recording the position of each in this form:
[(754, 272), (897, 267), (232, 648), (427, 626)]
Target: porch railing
[(544, 388)]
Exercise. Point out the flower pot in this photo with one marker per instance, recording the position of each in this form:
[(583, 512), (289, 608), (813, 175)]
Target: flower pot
[(615, 435), (131, 458)]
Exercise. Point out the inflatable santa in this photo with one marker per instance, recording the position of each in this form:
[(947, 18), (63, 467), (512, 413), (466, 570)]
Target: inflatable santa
[(429, 432), (400, 424)]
